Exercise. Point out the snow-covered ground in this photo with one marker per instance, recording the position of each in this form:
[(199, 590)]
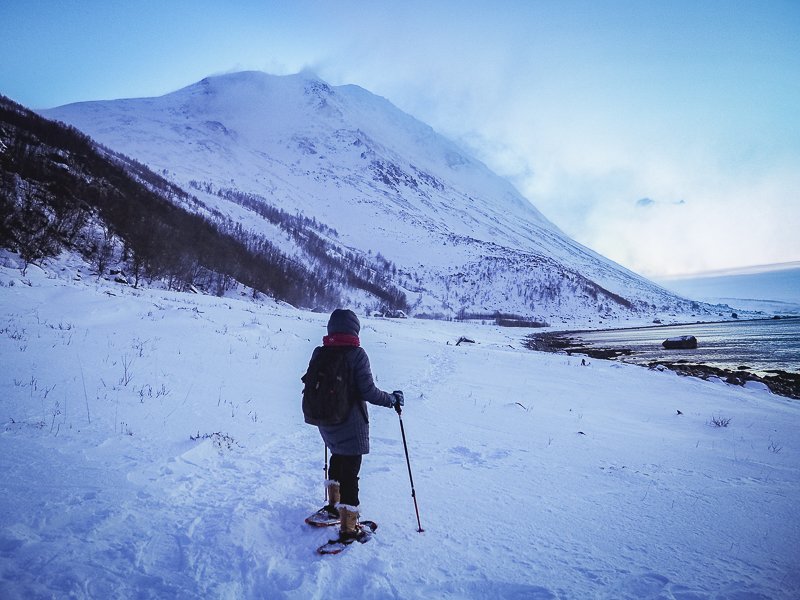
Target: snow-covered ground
[(536, 477)]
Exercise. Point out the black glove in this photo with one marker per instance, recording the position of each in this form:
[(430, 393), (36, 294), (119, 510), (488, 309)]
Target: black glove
[(397, 400)]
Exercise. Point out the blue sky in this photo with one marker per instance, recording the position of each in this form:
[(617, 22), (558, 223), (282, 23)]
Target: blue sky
[(589, 107)]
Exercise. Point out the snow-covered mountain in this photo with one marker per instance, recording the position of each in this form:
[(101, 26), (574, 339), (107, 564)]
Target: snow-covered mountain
[(461, 238)]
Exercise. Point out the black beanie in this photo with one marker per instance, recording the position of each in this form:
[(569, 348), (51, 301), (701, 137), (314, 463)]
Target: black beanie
[(343, 321)]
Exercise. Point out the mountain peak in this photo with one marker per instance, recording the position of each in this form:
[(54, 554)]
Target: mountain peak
[(465, 239), (259, 79)]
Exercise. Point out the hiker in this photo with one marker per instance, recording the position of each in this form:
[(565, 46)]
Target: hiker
[(348, 440)]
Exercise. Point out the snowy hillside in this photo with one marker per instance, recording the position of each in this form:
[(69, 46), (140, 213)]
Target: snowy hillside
[(61, 193), (462, 238), (152, 446)]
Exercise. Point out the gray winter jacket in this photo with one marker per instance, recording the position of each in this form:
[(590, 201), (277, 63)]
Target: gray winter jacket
[(352, 436)]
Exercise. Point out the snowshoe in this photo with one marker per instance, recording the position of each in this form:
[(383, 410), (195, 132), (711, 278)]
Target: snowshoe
[(324, 517), (362, 536)]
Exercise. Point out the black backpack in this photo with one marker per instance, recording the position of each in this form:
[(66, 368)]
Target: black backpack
[(326, 393)]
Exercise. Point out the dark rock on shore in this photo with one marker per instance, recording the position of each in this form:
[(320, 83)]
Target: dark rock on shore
[(555, 342), (604, 353), (782, 383), (684, 342), (548, 342)]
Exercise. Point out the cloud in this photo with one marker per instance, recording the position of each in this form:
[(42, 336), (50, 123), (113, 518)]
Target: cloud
[(727, 222), (584, 110), (649, 202)]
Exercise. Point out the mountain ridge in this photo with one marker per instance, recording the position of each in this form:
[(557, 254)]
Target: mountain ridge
[(386, 182)]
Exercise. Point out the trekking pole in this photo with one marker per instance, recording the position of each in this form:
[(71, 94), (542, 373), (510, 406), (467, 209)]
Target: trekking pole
[(325, 481), (408, 463)]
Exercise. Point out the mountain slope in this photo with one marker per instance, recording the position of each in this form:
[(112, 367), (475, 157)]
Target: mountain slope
[(462, 238), (60, 192)]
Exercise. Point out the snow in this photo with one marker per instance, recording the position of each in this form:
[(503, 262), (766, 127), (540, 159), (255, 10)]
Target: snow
[(386, 182), (536, 477)]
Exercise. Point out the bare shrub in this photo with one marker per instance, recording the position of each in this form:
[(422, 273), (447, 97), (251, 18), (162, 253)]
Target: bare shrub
[(719, 421)]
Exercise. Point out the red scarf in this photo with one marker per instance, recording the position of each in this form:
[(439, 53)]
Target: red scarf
[(341, 339)]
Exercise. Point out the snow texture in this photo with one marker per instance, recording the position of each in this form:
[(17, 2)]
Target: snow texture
[(152, 446)]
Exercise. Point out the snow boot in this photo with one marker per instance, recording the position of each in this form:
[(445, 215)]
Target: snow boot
[(349, 516), (351, 530), (327, 515), (333, 497)]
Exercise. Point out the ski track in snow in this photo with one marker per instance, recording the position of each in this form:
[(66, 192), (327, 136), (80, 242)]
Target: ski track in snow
[(535, 477)]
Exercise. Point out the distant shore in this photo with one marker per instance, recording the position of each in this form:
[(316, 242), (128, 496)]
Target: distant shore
[(567, 332), (780, 382)]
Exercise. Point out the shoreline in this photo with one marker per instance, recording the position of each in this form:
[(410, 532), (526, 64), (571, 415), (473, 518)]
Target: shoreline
[(779, 382), (565, 332)]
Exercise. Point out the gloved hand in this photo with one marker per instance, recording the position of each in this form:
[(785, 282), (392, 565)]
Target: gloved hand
[(397, 400)]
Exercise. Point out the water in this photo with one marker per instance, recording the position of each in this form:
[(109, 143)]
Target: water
[(758, 345)]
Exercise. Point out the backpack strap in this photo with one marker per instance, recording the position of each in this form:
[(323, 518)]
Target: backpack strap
[(347, 350)]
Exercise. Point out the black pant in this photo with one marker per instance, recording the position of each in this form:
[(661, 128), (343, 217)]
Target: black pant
[(344, 469)]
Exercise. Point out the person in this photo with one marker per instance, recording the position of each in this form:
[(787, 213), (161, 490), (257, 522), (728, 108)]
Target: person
[(348, 442)]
